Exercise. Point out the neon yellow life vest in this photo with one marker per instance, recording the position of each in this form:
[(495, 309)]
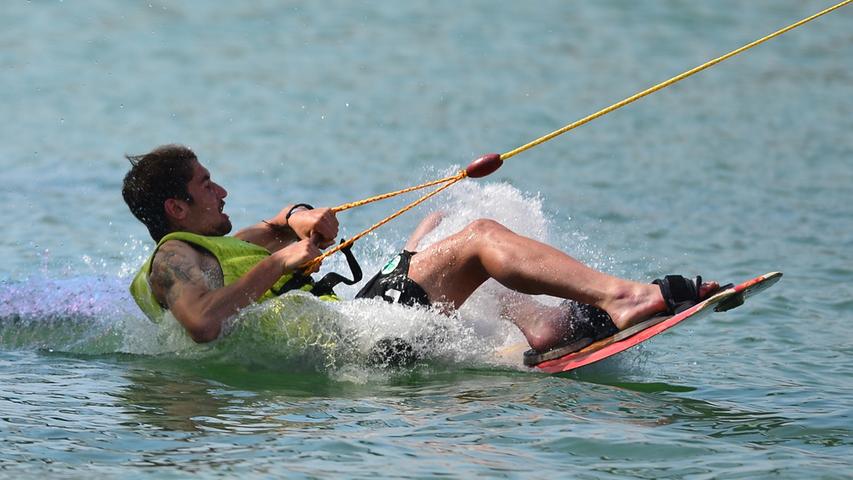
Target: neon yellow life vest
[(235, 257)]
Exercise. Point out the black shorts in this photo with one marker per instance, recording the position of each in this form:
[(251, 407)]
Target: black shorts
[(393, 284)]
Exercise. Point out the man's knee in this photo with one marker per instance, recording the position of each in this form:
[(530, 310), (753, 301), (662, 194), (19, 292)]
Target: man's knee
[(484, 227), (491, 244)]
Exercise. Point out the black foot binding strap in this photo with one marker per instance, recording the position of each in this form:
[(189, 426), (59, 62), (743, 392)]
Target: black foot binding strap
[(679, 293), (590, 324)]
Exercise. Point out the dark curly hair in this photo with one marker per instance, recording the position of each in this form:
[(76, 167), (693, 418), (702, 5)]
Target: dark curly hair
[(153, 178)]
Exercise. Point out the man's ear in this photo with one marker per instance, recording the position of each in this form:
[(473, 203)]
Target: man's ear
[(175, 209)]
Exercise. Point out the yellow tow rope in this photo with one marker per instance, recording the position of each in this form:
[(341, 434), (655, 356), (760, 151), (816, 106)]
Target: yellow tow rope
[(489, 163)]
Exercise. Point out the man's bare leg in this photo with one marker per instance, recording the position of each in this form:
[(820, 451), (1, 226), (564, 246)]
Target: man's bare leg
[(452, 269), (538, 322)]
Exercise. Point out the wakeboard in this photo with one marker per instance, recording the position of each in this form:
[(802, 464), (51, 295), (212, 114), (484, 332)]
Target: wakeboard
[(722, 301)]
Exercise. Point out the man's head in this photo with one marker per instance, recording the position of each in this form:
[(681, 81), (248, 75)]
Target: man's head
[(168, 190)]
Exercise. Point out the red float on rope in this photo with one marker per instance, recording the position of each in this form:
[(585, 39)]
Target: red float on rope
[(484, 165)]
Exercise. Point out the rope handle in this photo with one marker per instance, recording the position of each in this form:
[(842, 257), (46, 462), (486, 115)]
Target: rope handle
[(312, 263), (478, 168)]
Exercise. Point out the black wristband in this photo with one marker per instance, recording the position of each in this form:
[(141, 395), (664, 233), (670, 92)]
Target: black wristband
[(293, 208)]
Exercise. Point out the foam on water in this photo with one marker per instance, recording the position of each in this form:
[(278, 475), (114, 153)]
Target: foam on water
[(86, 314)]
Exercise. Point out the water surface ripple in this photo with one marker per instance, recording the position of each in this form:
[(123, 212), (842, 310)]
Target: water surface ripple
[(740, 170)]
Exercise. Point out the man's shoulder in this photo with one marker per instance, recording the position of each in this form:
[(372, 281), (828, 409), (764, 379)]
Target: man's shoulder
[(174, 247), (175, 259)]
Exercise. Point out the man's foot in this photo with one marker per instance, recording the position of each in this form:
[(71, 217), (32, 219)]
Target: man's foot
[(547, 328), (642, 301)]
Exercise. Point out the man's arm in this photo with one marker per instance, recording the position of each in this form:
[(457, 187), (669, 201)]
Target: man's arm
[(198, 302), (320, 225), (273, 234)]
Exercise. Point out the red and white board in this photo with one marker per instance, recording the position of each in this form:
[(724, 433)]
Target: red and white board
[(607, 347)]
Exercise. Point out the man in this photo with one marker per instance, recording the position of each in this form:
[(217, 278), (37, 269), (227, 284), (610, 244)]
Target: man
[(203, 276)]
